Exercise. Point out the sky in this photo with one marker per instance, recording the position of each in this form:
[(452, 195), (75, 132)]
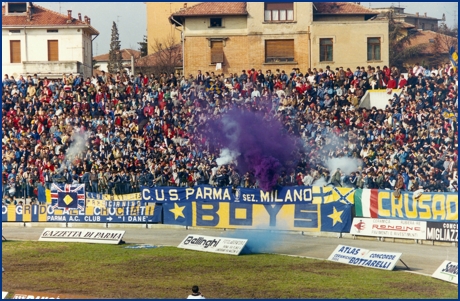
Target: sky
[(131, 17)]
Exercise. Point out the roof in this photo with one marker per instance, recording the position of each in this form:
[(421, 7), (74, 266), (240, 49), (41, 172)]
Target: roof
[(341, 8), (125, 55), (43, 17), (423, 37), (213, 9), (155, 58)]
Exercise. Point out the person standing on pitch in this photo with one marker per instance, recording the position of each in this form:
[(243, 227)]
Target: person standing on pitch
[(196, 294)]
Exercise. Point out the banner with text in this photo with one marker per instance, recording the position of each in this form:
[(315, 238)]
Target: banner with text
[(283, 195), (222, 245), (447, 271), (305, 216), (47, 213), (442, 231), (388, 228), (110, 201), (82, 235), (434, 207), (365, 258)]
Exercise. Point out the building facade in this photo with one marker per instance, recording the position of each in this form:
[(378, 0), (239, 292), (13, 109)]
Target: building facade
[(234, 36), (102, 61), (39, 41), (158, 25)]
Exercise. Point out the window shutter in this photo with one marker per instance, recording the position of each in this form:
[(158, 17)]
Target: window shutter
[(282, 49), (279, 6), (15, 51), (53, 50), (217, 52)]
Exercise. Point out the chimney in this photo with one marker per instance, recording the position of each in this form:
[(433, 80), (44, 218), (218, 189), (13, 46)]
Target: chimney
[(79, 16), (69, 14), (417, 14), (86, 19), (185, 5), (424, 14), (89, 20)]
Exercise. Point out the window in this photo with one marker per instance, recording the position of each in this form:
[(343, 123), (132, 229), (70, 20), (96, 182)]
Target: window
[(53, 50), (15, 31), (279, 51), (52, 30), (15, 52), (19, 7), (431, 40), (217, 52), (215, 22), (325, 50), (279, 11), (373, 49), (423, 26)]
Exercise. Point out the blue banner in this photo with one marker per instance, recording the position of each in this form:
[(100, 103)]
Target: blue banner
[(47, 213)]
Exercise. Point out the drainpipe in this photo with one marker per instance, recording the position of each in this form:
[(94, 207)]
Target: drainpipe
[(91, 63), (25, 42), (182, 38), (309, 46)]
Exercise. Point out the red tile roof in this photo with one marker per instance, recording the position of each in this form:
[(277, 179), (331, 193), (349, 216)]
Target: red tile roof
[(345, 8), (174, 56), (213, 9), (125, 54), (42, 17), (439, 42)]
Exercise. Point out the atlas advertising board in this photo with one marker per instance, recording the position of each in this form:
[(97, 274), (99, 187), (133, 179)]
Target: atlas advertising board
[(222, 245), (442, 231), (448, 271), (389, 228), (82, 235), (365, 258)]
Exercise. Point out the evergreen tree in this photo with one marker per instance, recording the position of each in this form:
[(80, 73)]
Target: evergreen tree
[(143, 46), (115, 58)]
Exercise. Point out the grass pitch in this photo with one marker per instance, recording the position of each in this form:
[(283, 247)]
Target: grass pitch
[(114, 271)]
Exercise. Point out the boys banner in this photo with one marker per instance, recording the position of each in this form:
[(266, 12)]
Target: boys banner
[(430, 206), (288, 208), (47, 213)]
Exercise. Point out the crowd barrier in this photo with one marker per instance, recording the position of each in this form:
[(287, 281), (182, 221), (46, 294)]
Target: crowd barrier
[(302, 208)]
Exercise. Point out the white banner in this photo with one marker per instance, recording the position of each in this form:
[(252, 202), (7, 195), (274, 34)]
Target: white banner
[(82, 235), (4, 294), (223, 245), (365, 258), (388, 228), (448, 271)]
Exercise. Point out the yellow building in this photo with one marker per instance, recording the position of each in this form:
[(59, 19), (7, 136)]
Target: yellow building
[(158, 25), (242, 35)]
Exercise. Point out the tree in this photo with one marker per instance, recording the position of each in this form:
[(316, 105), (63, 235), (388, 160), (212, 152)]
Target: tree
[(400, 49), (166, 57), (143, 46), (115, 58)]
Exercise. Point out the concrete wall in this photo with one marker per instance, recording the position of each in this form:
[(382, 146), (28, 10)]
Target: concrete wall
[(350, 43), (377, 98), (74, 45)]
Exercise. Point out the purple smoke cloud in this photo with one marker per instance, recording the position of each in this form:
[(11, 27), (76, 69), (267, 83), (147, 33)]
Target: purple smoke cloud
[(262, 145)]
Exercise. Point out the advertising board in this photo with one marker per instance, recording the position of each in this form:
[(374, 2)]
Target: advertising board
[(222, 245), (82, 235), (388, 228), (364, 257)]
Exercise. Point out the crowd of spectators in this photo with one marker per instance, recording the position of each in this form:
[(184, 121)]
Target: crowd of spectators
[(147, 129)]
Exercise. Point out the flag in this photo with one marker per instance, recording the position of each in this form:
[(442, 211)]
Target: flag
[(68, 196), (343, 194), (366, 202), (335, 217), (177, 213), (453, 58)]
